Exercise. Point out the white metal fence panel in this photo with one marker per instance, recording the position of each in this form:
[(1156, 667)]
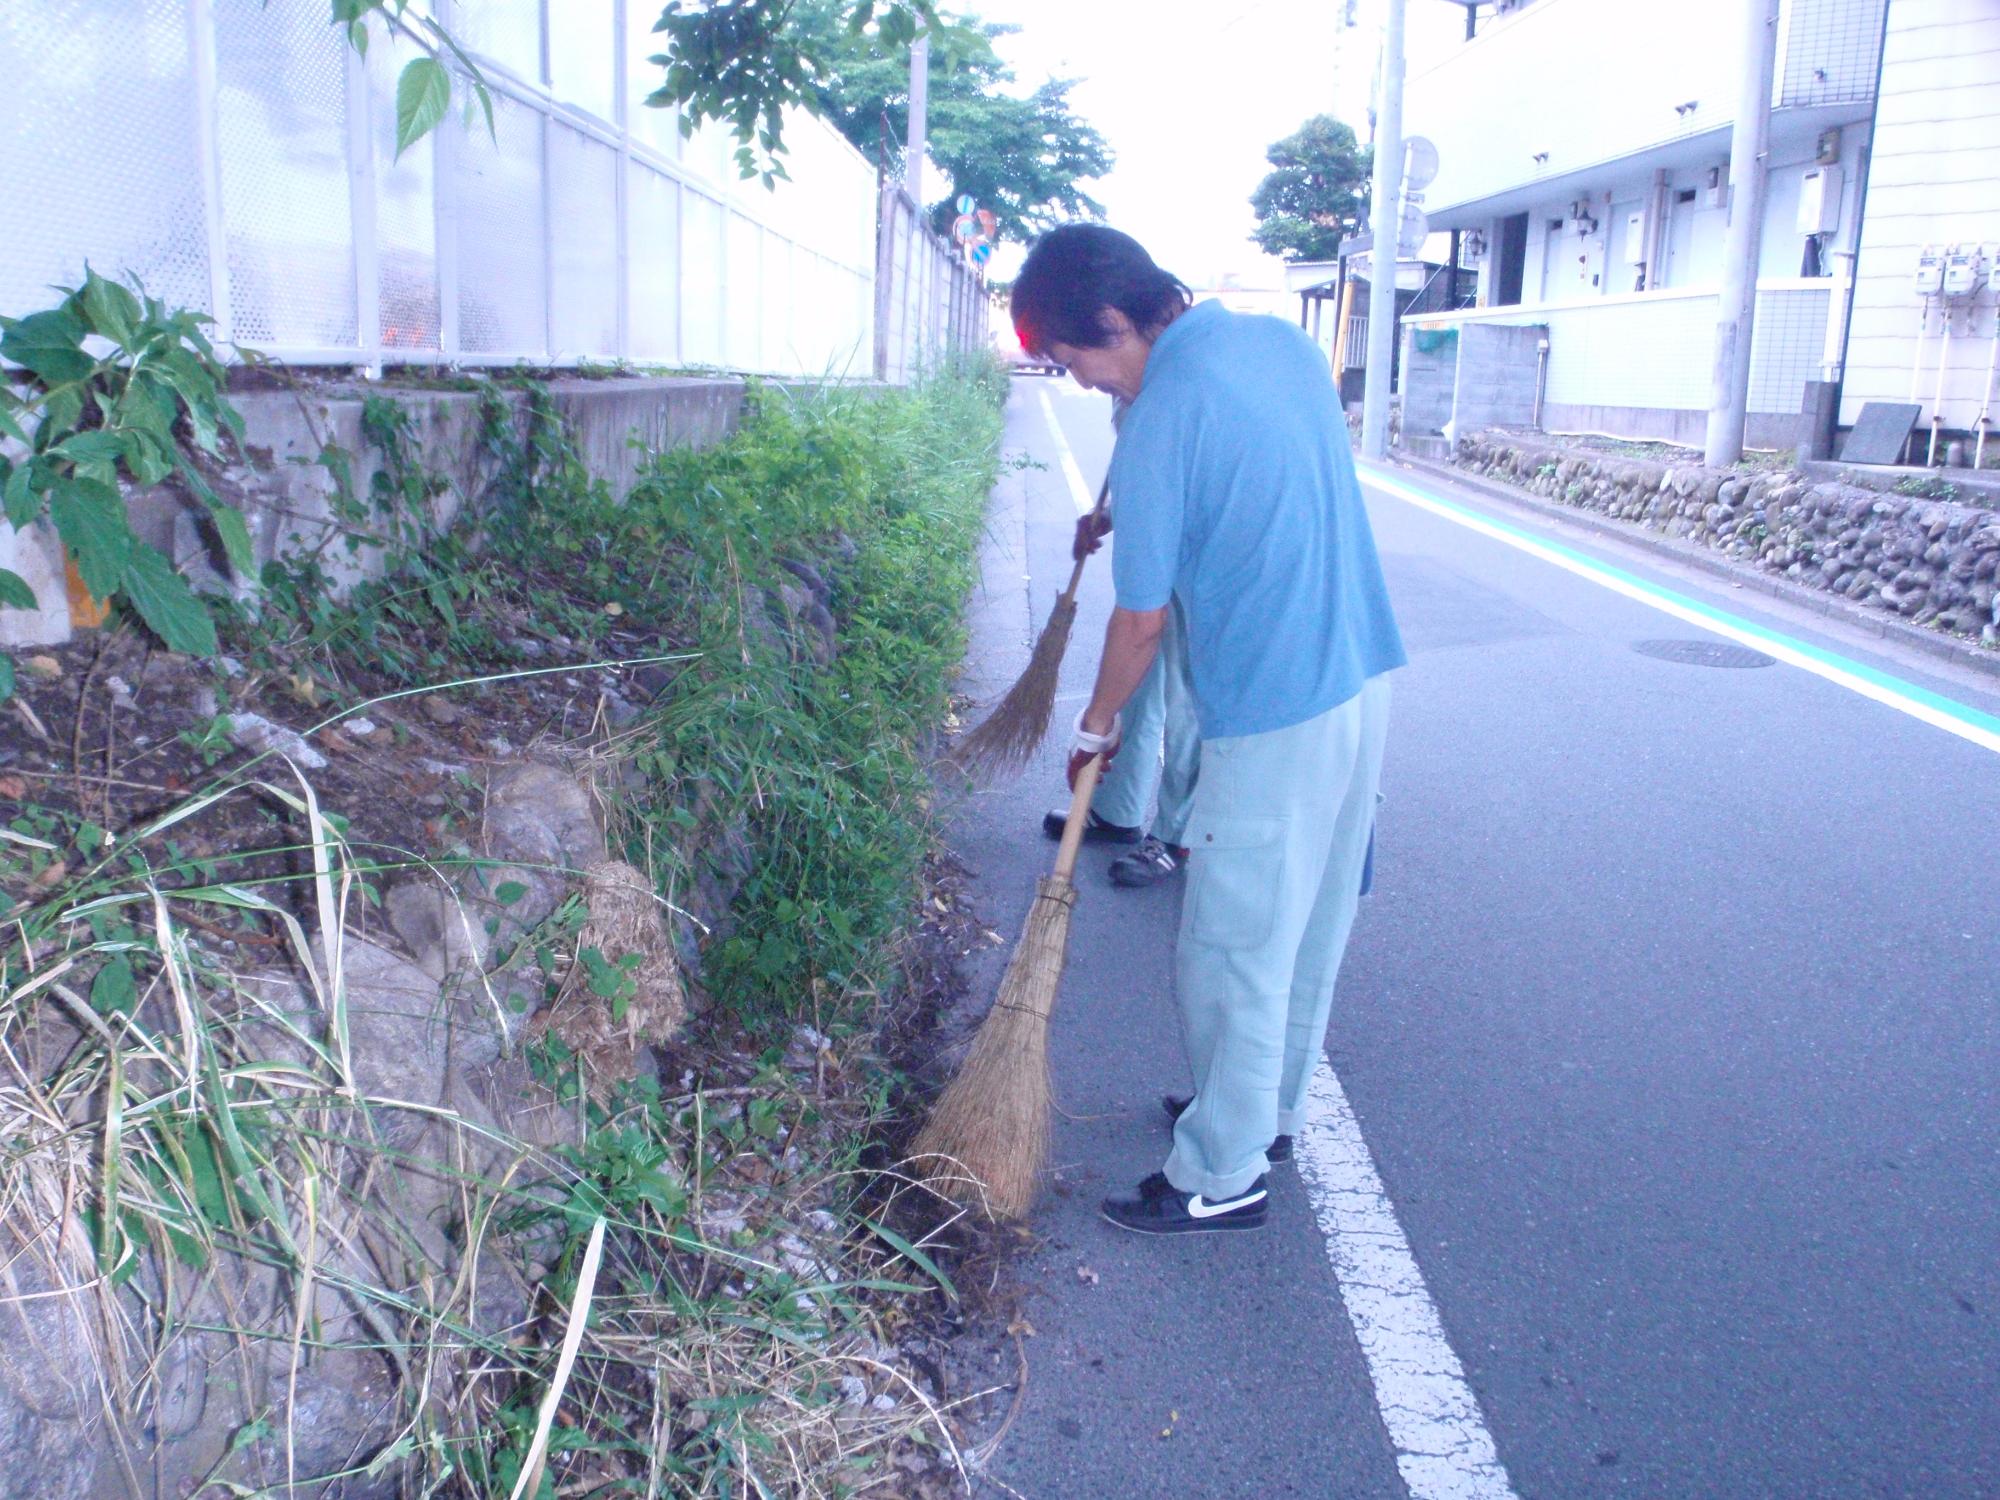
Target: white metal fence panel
[(929, 302), (240, 159)]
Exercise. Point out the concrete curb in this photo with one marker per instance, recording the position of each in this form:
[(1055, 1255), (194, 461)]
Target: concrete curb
[(1948, 648)]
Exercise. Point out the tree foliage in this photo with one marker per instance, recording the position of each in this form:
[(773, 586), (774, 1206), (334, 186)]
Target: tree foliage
[(1022, 157), (1316, 193), (745, 62)]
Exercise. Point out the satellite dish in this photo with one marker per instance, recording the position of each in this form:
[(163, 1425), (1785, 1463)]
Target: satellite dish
[(1413, 231), (1420, 163)]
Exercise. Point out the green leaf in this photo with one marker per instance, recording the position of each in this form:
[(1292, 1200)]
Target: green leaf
[(90, 518), (507, 892), (20, 498), (109, 309), (14, 591), (46, 343), (423, 94), (114, 991), (167, 605), (229, 525), (6, 678)]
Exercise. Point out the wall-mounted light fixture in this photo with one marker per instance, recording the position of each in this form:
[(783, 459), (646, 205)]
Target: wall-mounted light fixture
[(1541, 158), (1684, 110)]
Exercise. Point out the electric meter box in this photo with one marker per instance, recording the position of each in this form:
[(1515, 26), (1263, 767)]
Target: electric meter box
[(1992, 253), (1819, 200), (1964, 269), (1930, 272)]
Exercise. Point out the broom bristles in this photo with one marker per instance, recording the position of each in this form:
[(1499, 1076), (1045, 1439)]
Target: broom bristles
[(988, 1137), (1017, 724)]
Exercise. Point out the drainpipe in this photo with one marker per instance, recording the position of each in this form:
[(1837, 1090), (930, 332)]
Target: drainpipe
[(1937, 401), (1541, 377), (1860, 215), (1986, 406)]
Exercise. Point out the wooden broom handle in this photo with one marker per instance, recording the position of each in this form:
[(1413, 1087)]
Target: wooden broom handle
[(1079, 814), (1076, 573)]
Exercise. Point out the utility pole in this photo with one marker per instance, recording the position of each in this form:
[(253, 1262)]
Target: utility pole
[(920, 91), (1386, 228), (1749, 142)]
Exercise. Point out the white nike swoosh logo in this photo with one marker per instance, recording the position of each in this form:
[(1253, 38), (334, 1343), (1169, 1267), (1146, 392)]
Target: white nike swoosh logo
[(1197, 1209)]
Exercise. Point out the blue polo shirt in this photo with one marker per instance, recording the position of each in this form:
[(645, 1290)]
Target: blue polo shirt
[(1235, 489)]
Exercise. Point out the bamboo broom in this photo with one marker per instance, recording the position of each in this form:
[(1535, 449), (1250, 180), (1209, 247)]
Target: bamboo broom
[(988, 1136), (1015, 727)]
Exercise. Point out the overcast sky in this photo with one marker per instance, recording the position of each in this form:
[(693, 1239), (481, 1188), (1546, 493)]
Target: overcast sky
[(1190, 93)]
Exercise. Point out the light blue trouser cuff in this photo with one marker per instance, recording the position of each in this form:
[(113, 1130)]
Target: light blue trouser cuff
[(1279, 833), (1162, 709)]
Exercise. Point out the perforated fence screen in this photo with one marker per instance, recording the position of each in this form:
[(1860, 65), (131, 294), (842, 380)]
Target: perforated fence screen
[(239, 158)]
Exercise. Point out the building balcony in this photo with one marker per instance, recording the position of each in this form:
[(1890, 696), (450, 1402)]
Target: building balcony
[(1548, 101)]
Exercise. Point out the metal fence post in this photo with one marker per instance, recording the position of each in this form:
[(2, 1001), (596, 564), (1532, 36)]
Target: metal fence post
[(361, 212), (621, 107), (444, 209), (885, 271), (548, 193), (201, 54)]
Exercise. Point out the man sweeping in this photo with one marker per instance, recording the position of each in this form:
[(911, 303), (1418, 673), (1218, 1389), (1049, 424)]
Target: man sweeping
[(1237, 500)]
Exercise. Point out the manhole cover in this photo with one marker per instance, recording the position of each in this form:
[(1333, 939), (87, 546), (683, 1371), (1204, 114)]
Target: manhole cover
[(1704, 653)]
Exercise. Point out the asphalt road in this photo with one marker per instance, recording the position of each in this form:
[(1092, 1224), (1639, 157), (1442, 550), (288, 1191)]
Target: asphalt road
[(1672, 1029)]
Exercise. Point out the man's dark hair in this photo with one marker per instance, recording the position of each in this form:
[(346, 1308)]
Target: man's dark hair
[(1078, 271)]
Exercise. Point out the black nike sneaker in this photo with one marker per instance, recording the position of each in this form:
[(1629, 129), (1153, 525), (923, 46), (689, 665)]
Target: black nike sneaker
[(1158, 1207)]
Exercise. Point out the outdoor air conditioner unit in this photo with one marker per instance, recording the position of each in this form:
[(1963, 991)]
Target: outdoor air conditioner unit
[(1715, 188)]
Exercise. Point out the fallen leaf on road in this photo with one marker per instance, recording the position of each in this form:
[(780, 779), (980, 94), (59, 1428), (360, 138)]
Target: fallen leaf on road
[(43, 666), (53, 875), (1168, 1430), (1086, 1275), (13, 788), (1021, 1328)]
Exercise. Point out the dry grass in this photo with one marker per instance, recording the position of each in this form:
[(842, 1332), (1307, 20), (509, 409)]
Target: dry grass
[(201, 1185)]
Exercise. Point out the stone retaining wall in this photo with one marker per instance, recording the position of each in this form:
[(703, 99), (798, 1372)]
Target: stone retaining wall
[(1933, 562)]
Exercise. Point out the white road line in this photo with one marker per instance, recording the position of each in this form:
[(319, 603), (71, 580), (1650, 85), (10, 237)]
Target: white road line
[(1905, 697), (1443, 1449), (1078, 490)]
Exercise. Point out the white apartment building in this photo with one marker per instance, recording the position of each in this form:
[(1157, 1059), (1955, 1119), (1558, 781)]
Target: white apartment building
[(1584, 160)]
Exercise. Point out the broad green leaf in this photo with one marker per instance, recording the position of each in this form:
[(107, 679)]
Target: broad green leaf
[(46, 343), (90, 518), (114, 991), (9, 427), (166, 603), (229, 525), (14, 591), (22, 503), (109, 308), (145, 456), (422, 95), (89, 447), (6, 678)]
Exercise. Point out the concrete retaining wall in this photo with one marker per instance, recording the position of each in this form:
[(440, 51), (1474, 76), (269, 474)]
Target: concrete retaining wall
[(294, 441)]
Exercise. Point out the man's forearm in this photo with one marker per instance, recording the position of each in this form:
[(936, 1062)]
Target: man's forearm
[(1131, 641)]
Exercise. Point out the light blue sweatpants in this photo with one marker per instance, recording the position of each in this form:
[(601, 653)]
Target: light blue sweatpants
[(1162, 708), (1279, 832)]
